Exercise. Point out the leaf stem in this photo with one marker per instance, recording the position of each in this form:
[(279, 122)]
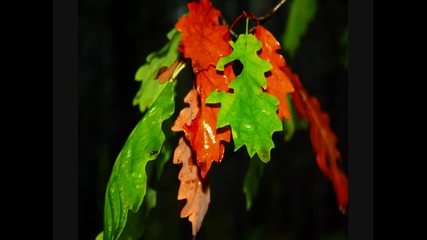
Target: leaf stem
[(247, 25)]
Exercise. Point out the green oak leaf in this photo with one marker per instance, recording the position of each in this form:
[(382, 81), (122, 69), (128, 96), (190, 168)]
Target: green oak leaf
[(249, 111), (150, 87), (301, 14), (127, 185), (251, 182)]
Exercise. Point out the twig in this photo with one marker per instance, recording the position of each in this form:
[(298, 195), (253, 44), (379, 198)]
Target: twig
[(262, 19), (267, 16)]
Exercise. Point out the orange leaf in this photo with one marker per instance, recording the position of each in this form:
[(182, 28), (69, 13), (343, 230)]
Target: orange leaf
[(206, 139), (203, 40), (323, 139), (198, 121), (192, 187), (278, 83)]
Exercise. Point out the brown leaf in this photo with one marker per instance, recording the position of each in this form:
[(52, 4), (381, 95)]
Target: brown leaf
[(187, 114), (165, 73), (192, 187)]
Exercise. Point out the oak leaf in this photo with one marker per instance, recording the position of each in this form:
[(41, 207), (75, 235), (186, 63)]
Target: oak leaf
[(204, 39), (249, 111), (323, 139), (278, 82), (193, 187)]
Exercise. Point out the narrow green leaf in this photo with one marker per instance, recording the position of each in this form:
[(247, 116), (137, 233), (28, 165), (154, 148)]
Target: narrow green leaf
[(249, 111), (150, 87), (127, 185), (293, 124), (301, 14), (100, 236), (164, 157), (134, 228), (252, 178)]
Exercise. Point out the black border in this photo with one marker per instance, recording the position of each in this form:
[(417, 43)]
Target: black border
[(360, 120), (65, 76)]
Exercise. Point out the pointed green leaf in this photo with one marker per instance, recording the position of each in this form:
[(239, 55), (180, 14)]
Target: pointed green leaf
[(293, 124), (301, 14), (252, 179), (150, 87), (127, 185), (249, 111), (100, 236), (134, 228), (164, 157)]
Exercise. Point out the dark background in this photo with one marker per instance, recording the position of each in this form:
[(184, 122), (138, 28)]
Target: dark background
[(295, 200)]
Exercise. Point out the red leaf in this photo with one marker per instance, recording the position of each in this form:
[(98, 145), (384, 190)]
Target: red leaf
[(278, 83), (199, 120), (203, 40), (323, 139), (206, 139), (192, 187)]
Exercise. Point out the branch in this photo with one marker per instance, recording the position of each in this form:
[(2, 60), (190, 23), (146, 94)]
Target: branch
[(267, 16), (263, 19)]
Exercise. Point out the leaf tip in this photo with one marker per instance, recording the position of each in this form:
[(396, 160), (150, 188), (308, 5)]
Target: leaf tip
[(264, 155), (100, 236)]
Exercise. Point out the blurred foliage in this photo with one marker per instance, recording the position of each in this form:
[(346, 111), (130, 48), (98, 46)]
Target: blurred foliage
[(301, 14)]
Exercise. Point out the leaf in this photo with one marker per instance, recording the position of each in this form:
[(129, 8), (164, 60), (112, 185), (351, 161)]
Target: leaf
[(293, 124), (323, 139), (192, 187), (252, 178), (100, 236), (206, 140), (204, 40), (187, 114), (301, 14), (198, 121), (134, 228), (127, 185), (147, 74), (249, 111), (163, 158), (278, 82)]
